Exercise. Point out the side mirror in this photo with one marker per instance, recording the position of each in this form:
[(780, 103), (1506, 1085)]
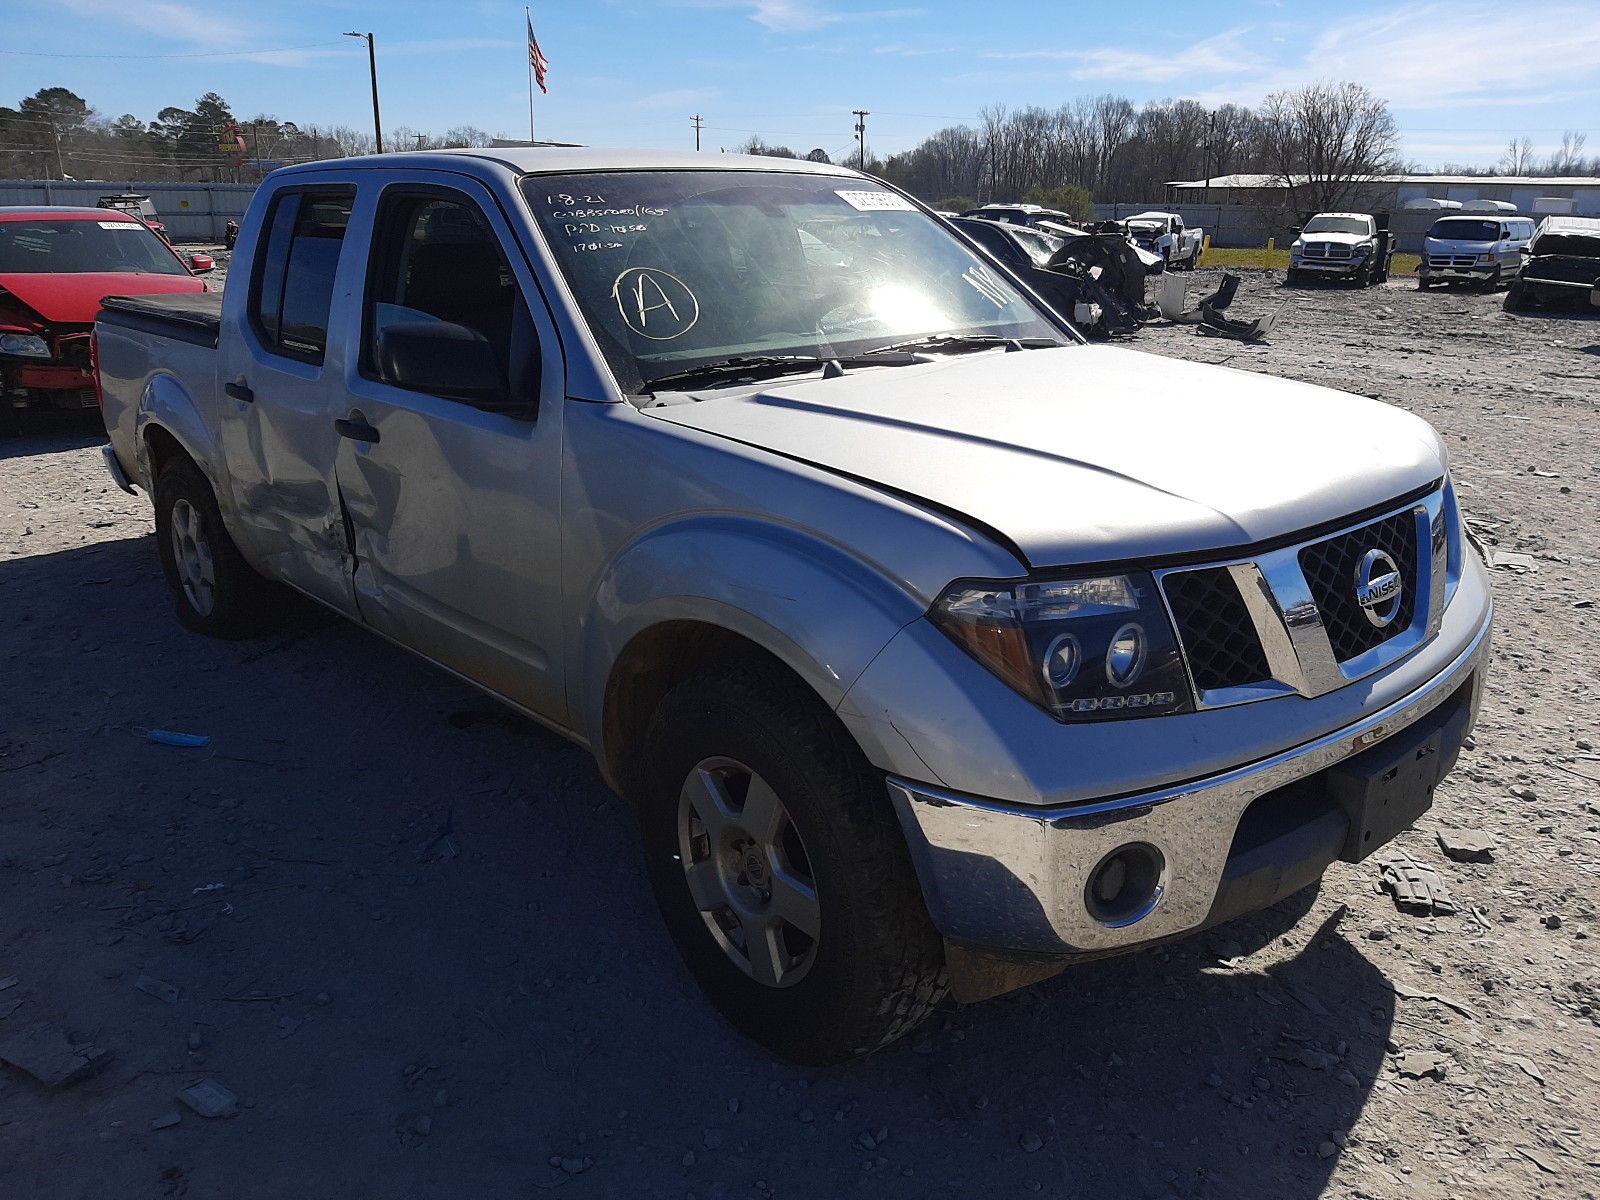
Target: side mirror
[(199, 264), (446, 360), (1295, 229)]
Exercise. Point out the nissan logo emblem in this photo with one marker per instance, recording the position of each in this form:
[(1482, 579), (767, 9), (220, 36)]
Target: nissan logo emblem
[(1378, 588)]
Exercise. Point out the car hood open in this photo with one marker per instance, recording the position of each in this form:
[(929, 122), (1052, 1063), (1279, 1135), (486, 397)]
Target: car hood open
[(73, 299), (1092, 454)]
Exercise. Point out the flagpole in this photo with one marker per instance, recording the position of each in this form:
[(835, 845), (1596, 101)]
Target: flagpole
[(529, 14)]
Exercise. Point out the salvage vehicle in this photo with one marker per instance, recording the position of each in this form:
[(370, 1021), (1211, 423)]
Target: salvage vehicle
[(937, 648), (1562, 267), (1164, 234), (1476, 249), (1095, 280), (1352, 246), (55, 265), (140, 206)]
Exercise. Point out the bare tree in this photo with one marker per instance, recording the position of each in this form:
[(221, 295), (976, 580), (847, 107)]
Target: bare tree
[(1327, 142), (1568, 160), (1518, 158)]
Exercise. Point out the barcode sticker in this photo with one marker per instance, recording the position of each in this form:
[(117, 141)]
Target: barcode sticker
[(876, 201), (119, 225)]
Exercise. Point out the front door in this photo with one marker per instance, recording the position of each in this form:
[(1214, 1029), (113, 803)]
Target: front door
[(453, 502)]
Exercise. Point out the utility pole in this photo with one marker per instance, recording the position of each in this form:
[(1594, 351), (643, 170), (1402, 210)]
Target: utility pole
[(861, 116), (421, 137), (372, 62), (698, 121), (61, 171), (1210, 138)]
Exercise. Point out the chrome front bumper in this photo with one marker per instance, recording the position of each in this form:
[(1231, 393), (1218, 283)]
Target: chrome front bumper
[(1007, 877)]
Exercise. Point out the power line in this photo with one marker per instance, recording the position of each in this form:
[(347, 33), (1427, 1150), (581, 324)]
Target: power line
[(202, 54)]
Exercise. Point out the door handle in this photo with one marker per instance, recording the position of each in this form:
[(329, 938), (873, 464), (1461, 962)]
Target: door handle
[(239, 391), (356, 430)]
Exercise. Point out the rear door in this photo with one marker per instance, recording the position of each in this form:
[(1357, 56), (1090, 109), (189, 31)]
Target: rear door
[(452, 502), (281, 375)]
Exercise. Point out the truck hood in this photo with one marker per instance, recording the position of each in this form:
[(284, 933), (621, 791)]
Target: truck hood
[(1338, 239), (73, 299), (1092, 454)]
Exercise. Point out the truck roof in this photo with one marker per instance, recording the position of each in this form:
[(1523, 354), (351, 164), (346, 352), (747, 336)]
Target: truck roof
[(567, 159), (46, 212)]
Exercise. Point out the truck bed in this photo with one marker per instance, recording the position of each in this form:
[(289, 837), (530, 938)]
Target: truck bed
[(194, 317)]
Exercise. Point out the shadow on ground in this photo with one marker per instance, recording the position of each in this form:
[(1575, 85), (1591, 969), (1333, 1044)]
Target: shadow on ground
[(412, 933)]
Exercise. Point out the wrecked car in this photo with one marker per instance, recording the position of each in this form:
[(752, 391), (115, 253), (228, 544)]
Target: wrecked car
[(1163, 234), (55, 265), (1562, 268), (140, 206), (936, 648), (1093, 279)]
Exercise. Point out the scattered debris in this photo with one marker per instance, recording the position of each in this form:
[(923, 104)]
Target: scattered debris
[(1406, 993), (1526, 1067), (1031, 1142), (1539, 1159), (287, 1026), (1415, 888), (158, 988), (46, 1053), (167, 737), (210, 1099), (1415, 1064), (210, 887), (1513, 561), (1467, 845), (10, 981), (442, 847), (167, 1120)]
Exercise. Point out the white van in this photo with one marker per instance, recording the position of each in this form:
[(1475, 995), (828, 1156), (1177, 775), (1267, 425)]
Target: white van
[(1486, 249)]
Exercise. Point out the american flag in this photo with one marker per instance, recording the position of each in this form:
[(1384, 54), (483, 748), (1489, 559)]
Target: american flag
[(536, 59)]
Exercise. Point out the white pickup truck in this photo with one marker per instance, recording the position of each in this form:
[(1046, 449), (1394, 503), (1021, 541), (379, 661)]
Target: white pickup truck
[(937, 648), (1351, 246), (1164, 234)]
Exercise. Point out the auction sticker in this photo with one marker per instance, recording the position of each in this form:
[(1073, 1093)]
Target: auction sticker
[(876, 201), (119, 225)]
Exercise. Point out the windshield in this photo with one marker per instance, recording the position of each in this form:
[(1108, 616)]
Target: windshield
[(78, 247), (1466, 231), (1327, 224), (675, 269), (1040, 247)]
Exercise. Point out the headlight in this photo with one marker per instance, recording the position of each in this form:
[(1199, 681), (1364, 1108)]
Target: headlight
[(1081, 649), (24, 345), (1297, 247)]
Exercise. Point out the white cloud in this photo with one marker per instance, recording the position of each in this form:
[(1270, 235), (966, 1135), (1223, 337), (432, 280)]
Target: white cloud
[(799, 16), (1218, 53), (164, 18)]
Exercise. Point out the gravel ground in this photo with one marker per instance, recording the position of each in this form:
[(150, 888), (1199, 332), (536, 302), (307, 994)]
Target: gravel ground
[(410, 931)]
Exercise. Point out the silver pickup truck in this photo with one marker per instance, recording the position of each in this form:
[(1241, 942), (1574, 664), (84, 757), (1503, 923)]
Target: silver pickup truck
[(936, 648)]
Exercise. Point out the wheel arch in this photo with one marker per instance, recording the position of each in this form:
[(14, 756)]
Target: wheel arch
[(704, 591)]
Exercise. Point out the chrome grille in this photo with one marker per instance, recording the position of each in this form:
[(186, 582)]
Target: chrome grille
[(1452, 260), (1330, 568), (1327, 250), (1218, 636)]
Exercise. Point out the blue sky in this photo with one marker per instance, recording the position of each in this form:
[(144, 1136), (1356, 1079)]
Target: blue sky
[(1462, 78)]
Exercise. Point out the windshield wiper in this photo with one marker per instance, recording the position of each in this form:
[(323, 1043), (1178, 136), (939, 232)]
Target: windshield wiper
[(767, 366), (966, 341)]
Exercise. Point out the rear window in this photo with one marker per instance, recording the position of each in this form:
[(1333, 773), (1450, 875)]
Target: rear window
[(295, 271)]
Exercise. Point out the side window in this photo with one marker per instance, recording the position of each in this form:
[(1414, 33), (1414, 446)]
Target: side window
[(295, 267), (435, 259)]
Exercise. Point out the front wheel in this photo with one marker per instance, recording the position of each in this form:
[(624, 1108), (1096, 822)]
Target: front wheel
[(214, 591), (780, 869)]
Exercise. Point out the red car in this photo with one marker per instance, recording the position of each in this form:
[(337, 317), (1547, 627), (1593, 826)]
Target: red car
[(55, 265)]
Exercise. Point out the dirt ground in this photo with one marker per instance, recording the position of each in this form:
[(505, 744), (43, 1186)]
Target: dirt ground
[(410, 931)]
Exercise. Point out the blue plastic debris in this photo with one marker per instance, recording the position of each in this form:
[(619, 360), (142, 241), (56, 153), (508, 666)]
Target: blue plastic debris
[(168, 738)]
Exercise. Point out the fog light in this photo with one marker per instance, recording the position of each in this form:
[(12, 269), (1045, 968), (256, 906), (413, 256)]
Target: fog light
[(1126, 885)]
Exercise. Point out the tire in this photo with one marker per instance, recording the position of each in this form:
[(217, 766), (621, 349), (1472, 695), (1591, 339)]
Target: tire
[(1514, 301), (860, 964), (214, 591), (1491, 283), (1291, 277), (1424, 285)]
